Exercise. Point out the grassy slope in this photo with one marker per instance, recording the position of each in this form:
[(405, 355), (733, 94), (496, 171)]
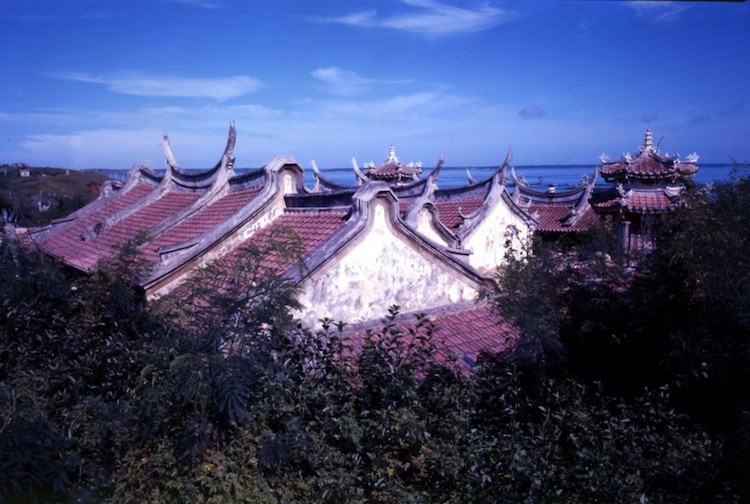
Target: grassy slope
[(64, 190)]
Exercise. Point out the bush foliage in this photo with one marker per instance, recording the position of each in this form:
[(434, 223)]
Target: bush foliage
[(626, 387)]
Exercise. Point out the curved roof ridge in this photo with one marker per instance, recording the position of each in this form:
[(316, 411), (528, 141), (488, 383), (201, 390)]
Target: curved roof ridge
[(498, 192), (194, 180), (427, 201), (324, 184), (502, 170), (523, 191)]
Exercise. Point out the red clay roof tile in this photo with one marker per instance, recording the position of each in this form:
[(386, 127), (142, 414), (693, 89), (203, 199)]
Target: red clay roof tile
[(86, 242), (198, 223), (450, 210), (304, 229)]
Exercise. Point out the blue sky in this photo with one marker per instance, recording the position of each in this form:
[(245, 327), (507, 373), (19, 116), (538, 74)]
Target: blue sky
[(95, 83)]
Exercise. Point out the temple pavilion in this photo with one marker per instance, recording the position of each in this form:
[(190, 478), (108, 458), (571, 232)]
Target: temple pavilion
[(392, 170), (648, 185)]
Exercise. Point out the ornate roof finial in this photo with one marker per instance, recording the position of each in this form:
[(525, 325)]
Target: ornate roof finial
[(648, 143), (392, 154)]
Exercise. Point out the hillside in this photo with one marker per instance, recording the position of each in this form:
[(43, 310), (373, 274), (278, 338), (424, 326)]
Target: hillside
[(32, 196)]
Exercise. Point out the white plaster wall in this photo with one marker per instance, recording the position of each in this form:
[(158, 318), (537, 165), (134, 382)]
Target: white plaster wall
[(488, 241), (426, 228), (379, 270)]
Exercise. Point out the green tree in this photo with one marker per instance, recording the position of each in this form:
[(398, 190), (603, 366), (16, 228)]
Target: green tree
[(71, 347)]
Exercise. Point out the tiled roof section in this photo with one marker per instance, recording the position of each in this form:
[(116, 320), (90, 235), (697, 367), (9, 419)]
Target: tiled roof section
[(450, 210), (461, 333), (552, 218), (390, 170), (299, 230), (649, 202), (86, 252), (148, 216), (640, 202), (200, 222), (464, 334), (67, 243), (648, 166)]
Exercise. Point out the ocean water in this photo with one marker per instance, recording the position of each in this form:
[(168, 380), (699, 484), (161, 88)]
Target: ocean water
[(562, 176)]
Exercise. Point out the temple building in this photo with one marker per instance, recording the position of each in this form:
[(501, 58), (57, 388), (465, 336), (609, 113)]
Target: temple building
[(363, 248), (390, 238), (648, 185)]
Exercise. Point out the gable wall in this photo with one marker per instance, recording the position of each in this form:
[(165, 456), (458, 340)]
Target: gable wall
[(426, 227), (376, 271), (488, 241)]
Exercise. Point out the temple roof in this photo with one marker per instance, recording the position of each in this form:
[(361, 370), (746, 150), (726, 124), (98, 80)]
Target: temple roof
[(204, 219), (462, 332), (648, 164), (304, 230), (655, 200), (648, 183), (161, 209), (393, 170), (83, 238), (425, 245), (557, 211)]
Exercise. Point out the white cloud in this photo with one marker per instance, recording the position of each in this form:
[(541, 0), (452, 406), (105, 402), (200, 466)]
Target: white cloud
[(432, 18), (346, 82), (658, 11), (219, 88), (366, 18), (329, 130), (341, 81), (90, 149)]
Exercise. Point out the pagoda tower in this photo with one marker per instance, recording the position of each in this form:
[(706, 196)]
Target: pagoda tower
[(648, 185)]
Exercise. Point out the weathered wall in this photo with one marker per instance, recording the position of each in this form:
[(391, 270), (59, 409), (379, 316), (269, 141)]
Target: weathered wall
[(380, 269), (426, 227), (489, 240)]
